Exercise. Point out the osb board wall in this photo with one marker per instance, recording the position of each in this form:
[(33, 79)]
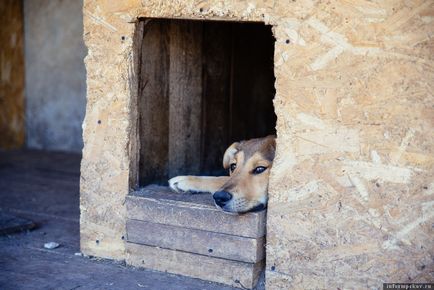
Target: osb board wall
[(351, 191), (11, 75)]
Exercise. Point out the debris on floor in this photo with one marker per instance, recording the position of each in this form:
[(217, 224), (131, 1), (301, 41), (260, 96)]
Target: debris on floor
[(51, 245), (80, 254), (10, 224)]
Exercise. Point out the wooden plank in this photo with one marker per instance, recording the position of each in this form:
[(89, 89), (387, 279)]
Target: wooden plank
[(154, 103), (212, 244), (216, 89), (160, 205), (253, 79), (238, 274), (185, 94)]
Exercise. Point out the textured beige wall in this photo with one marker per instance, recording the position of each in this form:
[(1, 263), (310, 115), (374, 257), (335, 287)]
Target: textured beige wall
[(352, 191), (55, 74)]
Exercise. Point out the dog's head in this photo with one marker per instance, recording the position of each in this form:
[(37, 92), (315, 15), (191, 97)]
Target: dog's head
[(249, 163)]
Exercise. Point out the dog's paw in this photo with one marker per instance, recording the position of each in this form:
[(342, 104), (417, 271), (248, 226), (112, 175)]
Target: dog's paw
[(180, 184)]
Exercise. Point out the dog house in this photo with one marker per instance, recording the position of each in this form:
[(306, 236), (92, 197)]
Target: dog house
[(351, 185)]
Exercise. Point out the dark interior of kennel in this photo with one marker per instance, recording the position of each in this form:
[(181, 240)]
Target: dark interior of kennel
[(202, 86)]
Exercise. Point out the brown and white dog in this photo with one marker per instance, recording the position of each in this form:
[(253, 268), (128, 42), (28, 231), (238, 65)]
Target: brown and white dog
[(246, 188)]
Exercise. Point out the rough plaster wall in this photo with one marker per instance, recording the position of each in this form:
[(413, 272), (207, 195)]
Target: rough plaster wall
[(109, 131), (11, 75), (351, 191), (55, 74)]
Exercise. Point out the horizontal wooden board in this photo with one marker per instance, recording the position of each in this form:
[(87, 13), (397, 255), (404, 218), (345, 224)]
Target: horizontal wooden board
[(196, 241), (238, 274), (158, 204)]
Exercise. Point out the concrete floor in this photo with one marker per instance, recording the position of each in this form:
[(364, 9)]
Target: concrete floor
[(44, 187)]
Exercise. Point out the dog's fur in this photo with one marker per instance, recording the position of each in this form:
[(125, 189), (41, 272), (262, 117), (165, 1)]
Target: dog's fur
[(247, 183)]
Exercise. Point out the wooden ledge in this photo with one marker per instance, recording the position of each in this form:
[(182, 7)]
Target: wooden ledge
[(159, 204)]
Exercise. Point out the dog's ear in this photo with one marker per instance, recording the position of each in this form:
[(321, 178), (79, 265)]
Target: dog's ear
[(269, 148), (229, 154), (271, 142)]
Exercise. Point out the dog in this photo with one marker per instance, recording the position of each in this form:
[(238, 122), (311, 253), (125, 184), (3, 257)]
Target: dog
[(246, 188)]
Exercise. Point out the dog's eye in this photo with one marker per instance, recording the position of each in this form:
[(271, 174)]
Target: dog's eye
[(233, 166), (259, 170)]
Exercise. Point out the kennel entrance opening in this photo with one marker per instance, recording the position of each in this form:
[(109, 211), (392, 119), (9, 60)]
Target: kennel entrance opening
[(202, 86)]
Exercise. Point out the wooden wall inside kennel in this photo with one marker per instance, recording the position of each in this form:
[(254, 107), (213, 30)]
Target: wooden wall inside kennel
[(202, 86)]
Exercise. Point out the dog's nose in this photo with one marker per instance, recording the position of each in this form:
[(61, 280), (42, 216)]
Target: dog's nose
[(222, 197)]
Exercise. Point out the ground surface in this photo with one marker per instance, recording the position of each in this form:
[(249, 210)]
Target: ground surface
[(44, 187)]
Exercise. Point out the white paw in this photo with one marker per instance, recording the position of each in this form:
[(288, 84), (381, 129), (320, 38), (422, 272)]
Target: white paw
[(179, 184)]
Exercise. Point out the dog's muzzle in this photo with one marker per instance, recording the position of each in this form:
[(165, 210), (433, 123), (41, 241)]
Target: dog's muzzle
[(221, 198)]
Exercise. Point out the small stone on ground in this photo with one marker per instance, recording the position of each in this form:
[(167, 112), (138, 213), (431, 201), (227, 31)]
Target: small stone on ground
[(51, 245)]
